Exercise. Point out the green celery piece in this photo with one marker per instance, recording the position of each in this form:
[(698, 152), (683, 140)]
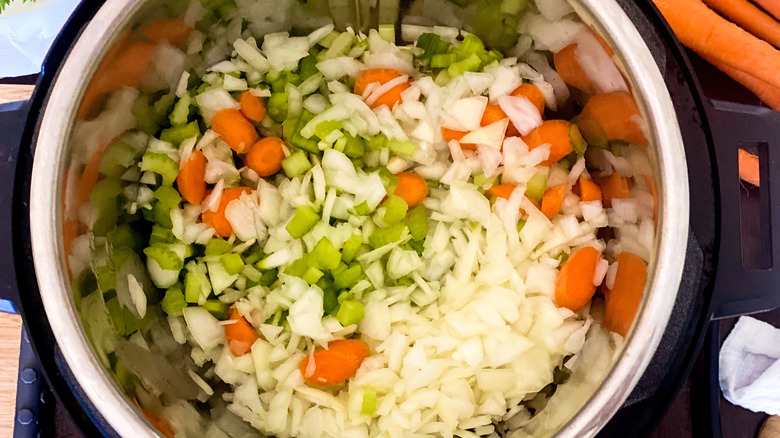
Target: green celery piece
[(302, 222), (579, 143), (389, 180), (325, 128), (145, 116), (192, 287), (269, 277), (117, 158), (181, 111), (470, 45), (350, 312), (288, 127), (536, 186), (312, 275), (162, 107), (400, 147), (593, 132), (106, 277), (330, 299), (328, 39), (251, 273), (351, 248), (177, 134), (568, 161), (349, 278), (255, 255), (160, 164), (376, 143), (355, 146), (368, 406), (105, 198), (167, 199), (618, 147), (165, 257), (124, 235), (510, 7), (443, 60), (296, 164), (307, 67), (520, 225), (385, 236), (429, 42), (362, 209), (324, 255), (217, 246), (471, 63), (125, 378), (417, 245), (418, 223), (297, 268), (217, 308), (161, 234), (442, 78), (297, 140), (173, 302), (340, 46), (395, 209), (232, 263), (277, 107)]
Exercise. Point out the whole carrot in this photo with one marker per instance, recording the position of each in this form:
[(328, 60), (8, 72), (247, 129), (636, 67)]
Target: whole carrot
[(768, 93), (749, 17), (707, 33), (771, 6)]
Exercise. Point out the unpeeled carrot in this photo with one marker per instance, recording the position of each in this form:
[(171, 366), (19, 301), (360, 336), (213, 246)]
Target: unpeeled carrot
[(556, 134), (336, 364), (749, 17), (265, 157), (412, 187), (191, 179), (614, 186), (552, 201), (588, 190), (504, 191), (240, 334), (90, 175), (574, 287), (622, 301), (382, 76), (768, 93), (235, 129), (217, 219), (451, 134), (173, 30), (748, 168), (617, 116), (701, 29), (252, 107), (771, 6), (532, 93)]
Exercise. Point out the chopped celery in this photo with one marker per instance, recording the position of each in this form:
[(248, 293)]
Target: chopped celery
[(400, 147), (536, 186), (307, 67), (219, 277), (443, 60), (417, 245), (328, 39), (126, 379), (251, 273), (165, 257), (368, 407), (146, 118), (348, 278), (255, 255), (277, 107), (510, 7), (579, 143), (470, 45), (351, 248), (181, 111), (173, 302), (350, 312), (105, 199), (520, 225), (269, 277), (302, 222), (362, 209), (568, 161), (385, 236), (472, 63), (618, 147), (354, 147), (232, 263), (288, 127), (117, 159), (312, 275), (376, 143), (323, 129), (217, 308), (429, 42), (418, 222), (296, 164), (443, 78), (217, 246), (178, 134), (160, 164), (167, 199), (387, 32), (395, 209), (123, 235), (330, 298), (389, 180), (324, 255), (297, 268), (105, 276), (340, 46), (161, 234), (299, 141), (192, 287)]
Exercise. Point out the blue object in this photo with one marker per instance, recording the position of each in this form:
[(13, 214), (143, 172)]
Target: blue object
[(7, 306)]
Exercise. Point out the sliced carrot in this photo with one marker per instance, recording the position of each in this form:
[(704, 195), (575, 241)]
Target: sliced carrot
[(391, 97), (191, 180), (653, 187), (614, 186), (217, 219), (749, 17), (412, 187), (574, 287), (252, 107), (569, 69), (336, 364), (451, 134), (748, 168), (382, 76), (90, 175), (532, 93), (492, 114), (617, 114), (235, 129), (556, 134), (552, 201), (265, 157), (173, 30), (622, 301), (240, 334), (160, 424), (504, 191), (588, 190)]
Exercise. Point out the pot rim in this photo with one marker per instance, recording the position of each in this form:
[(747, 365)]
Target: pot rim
[(665, 273)]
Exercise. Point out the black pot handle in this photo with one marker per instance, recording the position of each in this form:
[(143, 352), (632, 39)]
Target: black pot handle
[(748, 274)]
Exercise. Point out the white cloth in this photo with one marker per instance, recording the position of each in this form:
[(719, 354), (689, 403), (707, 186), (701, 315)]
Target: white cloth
[(27, 30), (750, 366)]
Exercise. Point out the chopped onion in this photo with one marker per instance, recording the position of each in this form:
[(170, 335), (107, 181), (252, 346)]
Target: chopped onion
[(597, 64), (601, 271), (491, 135), (524, 115)]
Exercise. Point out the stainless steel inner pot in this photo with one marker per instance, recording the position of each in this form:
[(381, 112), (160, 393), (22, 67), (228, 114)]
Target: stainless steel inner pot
[(52, 156)]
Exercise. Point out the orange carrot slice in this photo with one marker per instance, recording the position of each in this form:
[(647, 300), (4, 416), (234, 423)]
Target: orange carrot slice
[(588, 190), (492, 114), (748, 168), (614, 186), (412, 187), (504, 191), (173, 30), (382, 76), (556, 134), (252, 107), (617, 114), (90, 175), (569, 69), (552, 201), (532, 93), (336, 364), (451, 134), (235, 129), (574, 287), (191, 179), (240, 334), (265, 157), (217, 219), (622, 301)]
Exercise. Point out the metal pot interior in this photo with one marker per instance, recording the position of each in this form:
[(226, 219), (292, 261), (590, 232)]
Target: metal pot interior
[(71, 131)]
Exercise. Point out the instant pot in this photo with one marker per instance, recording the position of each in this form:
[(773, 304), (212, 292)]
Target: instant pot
[(720, 265)]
